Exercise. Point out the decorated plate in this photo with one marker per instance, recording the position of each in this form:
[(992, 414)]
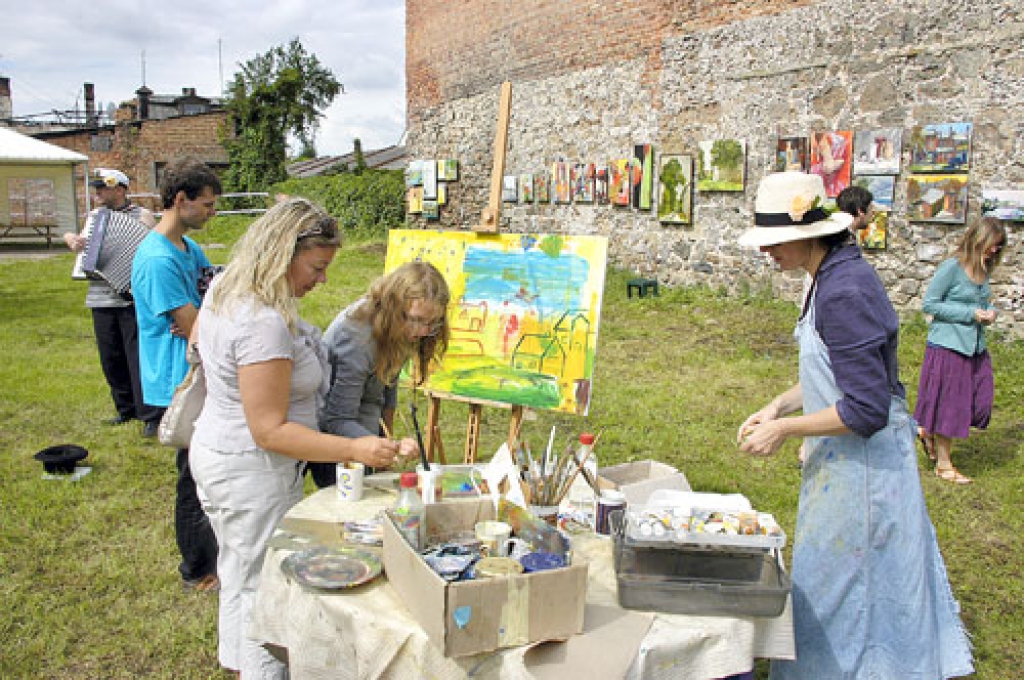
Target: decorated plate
[(332, 568)]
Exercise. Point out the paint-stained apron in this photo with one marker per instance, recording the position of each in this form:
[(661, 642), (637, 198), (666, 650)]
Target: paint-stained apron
[(871, 598)]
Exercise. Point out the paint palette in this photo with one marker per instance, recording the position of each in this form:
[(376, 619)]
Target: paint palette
[(332, 568)]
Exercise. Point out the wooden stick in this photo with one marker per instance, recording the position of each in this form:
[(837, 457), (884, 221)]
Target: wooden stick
[(384, 427)]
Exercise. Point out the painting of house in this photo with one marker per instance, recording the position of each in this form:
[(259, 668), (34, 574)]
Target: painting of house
[(675, 183), (721, 165), (831, 159), (877, 152), (1004, 204), (791, 154), (937, 198), (524, 315), (944, 147)]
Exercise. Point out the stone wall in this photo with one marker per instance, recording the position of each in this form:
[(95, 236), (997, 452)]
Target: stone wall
[(750, 70)]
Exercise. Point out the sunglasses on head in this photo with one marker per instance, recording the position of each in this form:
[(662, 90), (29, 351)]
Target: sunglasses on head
[(327, 227)]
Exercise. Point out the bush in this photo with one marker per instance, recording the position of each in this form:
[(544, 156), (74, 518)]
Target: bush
[(366, 204)]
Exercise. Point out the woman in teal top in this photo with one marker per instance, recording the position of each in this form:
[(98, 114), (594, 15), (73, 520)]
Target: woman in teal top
[(957, 390)]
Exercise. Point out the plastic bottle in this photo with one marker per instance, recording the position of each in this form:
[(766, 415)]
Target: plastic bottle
[(581, 494), (409, 511)]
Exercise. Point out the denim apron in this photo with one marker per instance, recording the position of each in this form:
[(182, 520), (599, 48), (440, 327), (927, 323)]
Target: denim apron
[(871, 598)]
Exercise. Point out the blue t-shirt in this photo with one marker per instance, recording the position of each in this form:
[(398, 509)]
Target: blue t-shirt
[(163, 279)]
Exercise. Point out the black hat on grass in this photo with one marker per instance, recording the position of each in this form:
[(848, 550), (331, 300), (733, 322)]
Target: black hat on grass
[(61, 459)]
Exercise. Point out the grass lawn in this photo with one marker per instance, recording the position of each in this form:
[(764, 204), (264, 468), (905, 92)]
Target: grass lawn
[(89, 569)]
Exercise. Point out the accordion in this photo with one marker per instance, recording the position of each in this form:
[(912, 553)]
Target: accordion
[(113, 240)]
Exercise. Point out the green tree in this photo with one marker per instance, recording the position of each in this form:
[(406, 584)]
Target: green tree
[(727, 155), (275, 94)]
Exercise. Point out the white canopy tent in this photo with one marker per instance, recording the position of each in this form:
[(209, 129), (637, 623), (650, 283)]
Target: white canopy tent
[(37, 190)]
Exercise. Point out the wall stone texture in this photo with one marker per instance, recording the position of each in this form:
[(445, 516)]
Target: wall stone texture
[(591, 82)]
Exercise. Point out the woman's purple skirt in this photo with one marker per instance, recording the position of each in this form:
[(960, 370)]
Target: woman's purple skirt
[(955, 393)]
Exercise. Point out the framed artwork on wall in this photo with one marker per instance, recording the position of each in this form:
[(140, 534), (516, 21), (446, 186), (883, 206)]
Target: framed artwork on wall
[(448, 170), (414, 174), (542, 187), (601, 184), (877, 152), (560, 173), (429, 180), (831, 159), (675, 189), (442, 193), (791, 154), (943, 148), (582, 179), (882, 188), (643, 176), (526, 188), (1004, 204), (509, 189), (618, 182), (414, 200), (721, 165), (430, 210), (875, 235), (937, 198)]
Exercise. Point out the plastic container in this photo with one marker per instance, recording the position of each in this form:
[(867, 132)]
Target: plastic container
[(704, 583), (409, 512)]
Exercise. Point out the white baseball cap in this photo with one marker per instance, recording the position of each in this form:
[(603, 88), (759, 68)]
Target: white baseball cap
[(106, 177)]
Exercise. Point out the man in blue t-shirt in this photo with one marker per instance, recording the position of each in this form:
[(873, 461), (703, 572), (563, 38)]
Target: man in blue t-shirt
[(165, 285)]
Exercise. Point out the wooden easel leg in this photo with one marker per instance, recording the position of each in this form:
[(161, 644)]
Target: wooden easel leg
[(433, 415), (438, 446), (515, 425), (473, 432)]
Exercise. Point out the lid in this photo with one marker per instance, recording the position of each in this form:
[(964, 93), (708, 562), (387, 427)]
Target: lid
[(587, 438), (612, 497), (498, 566), (407, 480), (541, 561)]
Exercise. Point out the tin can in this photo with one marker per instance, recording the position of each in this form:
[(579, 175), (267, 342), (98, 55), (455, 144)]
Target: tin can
[(609, 501)]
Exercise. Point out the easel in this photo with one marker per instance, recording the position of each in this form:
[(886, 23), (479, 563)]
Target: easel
[(490, 219)]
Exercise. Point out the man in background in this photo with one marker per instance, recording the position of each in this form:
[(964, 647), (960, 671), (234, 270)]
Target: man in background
[(113, 316), (165, 276)]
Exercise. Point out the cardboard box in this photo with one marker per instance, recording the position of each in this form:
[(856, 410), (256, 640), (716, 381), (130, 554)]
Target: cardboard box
[(640, 479), (469, 617)]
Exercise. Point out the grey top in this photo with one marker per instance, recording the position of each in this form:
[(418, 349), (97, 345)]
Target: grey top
[(356, 399)]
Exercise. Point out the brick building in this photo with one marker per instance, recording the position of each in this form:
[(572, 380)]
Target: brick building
[(590, 81)]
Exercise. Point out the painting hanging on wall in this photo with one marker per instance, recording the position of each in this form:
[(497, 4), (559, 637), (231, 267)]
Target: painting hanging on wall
[(560, 173), (944, 148), (643, 176), (618, 182), (791, 154), (430, 210), (1004, 204), (414, 200), (429, 180), (442, 193), (542, 187), (721, 165), (877, 152), (448, 170), (509, 189), (882, 188), (675, 189), (582, 183), (524, 315), (526, 188), (937, 198), (414, 174), (831, 159), (601, 184), (875, 235)]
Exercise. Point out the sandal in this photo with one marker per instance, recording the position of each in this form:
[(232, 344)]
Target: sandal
[(207, 584), (951, 474), (927, 443)]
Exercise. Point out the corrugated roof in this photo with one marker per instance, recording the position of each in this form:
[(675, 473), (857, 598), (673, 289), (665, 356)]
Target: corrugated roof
[(15, 146), (388, 158)]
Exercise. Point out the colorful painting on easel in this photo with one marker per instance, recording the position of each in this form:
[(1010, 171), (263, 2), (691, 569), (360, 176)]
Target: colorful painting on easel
[(524, 314)]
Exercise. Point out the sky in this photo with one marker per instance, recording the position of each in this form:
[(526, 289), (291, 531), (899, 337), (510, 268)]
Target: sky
[(50, 48)]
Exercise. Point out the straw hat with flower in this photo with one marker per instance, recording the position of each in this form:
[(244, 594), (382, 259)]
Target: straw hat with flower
[(789, 207)]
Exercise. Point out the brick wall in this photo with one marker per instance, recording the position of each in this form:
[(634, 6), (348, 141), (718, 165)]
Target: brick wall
[(590, 80)]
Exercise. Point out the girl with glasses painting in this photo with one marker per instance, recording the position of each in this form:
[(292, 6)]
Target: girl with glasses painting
[(957, 389), (402, 317)]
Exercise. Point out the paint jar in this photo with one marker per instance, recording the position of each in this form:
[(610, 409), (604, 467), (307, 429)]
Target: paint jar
[(609, 501)]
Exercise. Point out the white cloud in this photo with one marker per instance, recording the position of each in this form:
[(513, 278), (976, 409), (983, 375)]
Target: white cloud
[(51, 48)]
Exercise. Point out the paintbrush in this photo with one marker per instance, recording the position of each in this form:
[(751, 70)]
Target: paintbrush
[(384, 428), (419, 438), (546, 462)]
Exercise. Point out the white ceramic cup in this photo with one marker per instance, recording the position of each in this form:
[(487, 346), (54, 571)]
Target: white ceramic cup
[(429, 483), (350, 481), (492, 536)]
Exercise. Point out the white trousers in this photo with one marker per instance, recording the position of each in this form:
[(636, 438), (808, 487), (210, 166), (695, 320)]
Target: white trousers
[(245, 495)]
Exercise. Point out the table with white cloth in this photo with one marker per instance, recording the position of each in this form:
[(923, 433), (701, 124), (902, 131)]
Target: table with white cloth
[(366, 632)]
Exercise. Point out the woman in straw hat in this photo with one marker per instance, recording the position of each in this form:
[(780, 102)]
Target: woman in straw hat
[(870, 592)]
